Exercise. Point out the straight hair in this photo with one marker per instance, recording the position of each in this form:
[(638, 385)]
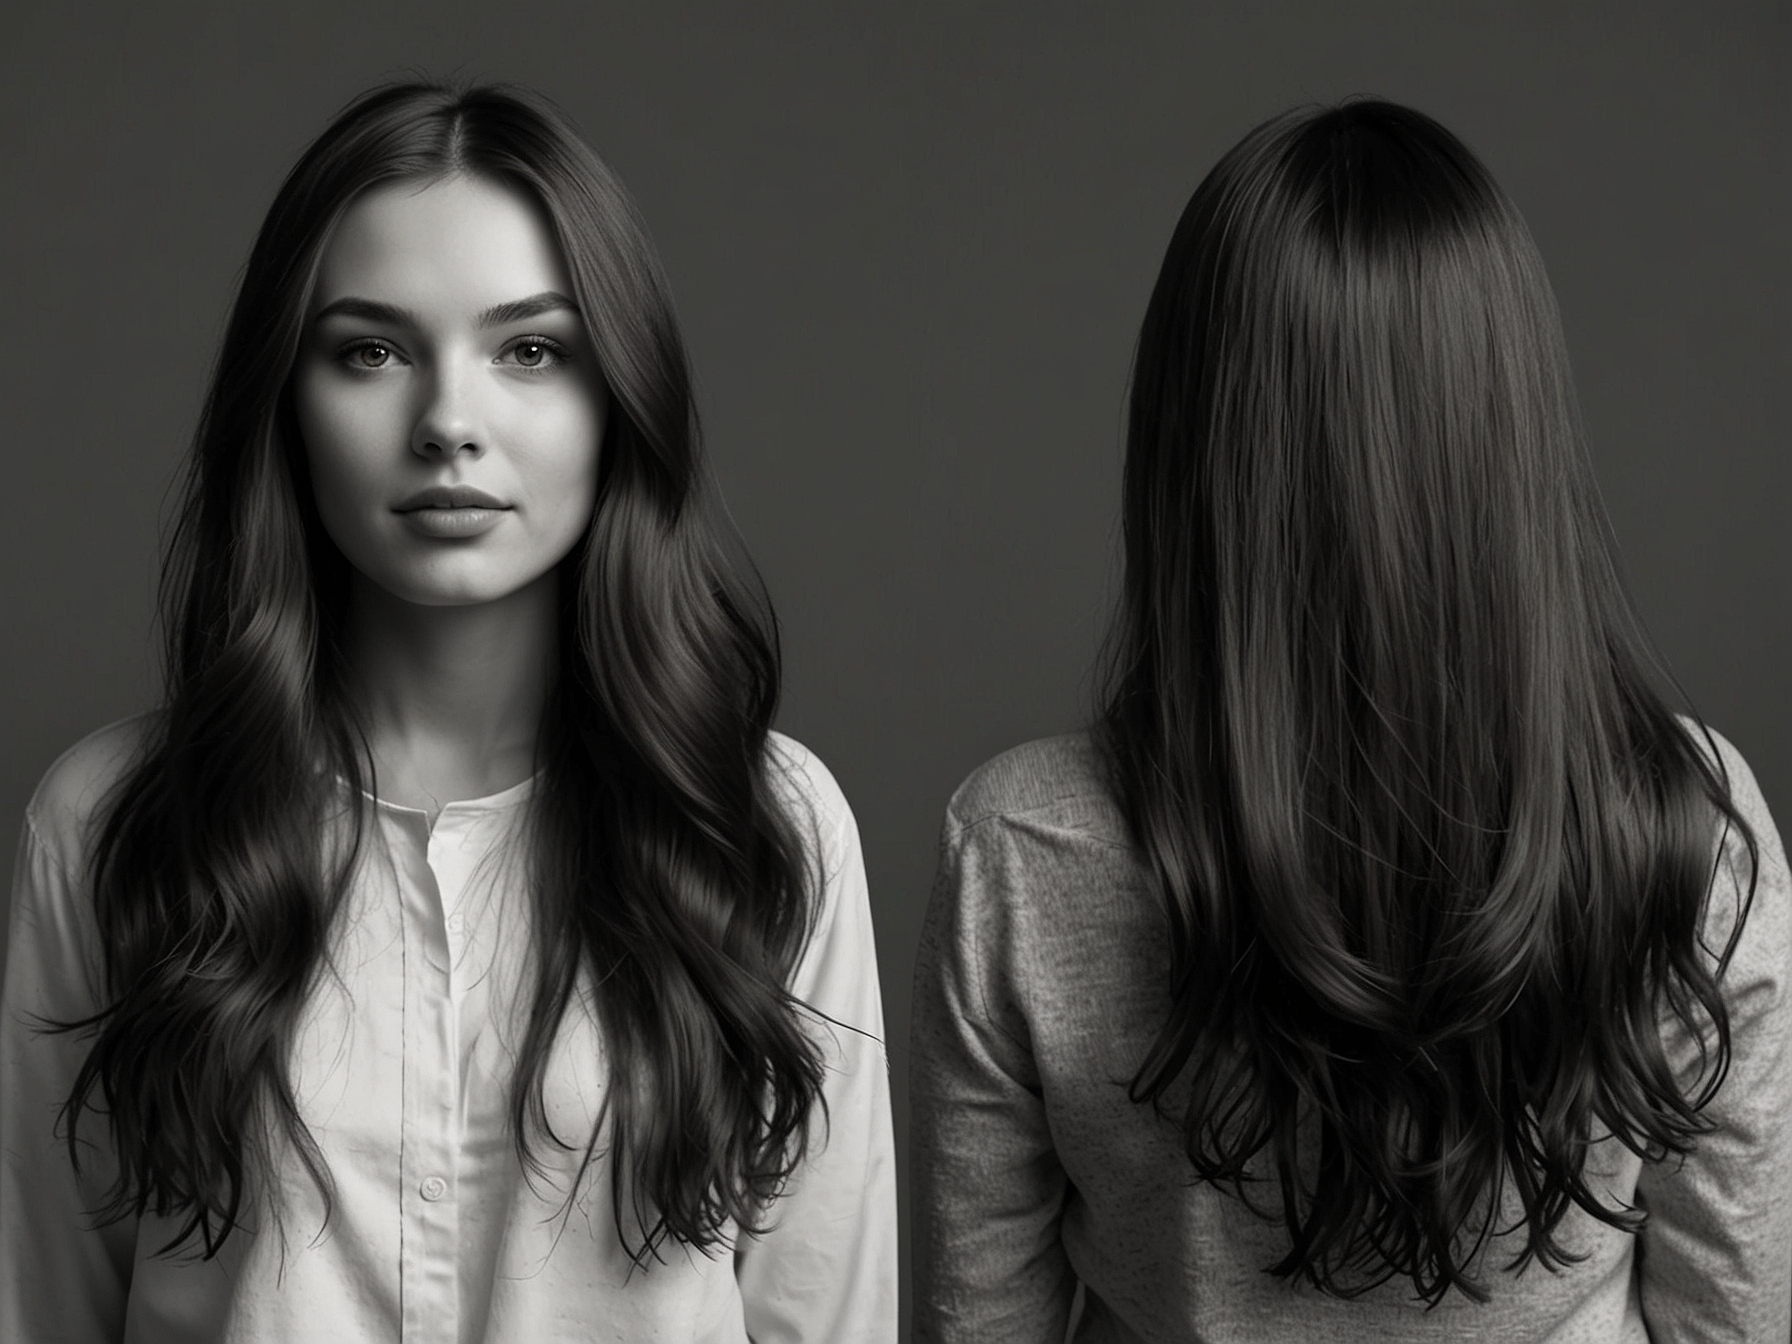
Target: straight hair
[(1433, 849)]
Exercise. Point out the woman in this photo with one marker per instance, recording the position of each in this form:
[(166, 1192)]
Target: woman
[(1389, 962), (456, 954)]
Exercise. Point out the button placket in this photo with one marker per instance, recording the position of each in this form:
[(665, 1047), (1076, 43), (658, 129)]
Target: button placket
[(430, 1266)]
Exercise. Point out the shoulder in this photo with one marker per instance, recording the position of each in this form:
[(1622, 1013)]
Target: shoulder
[(1748, 905), (1754, 859), (807, 790), (74, 789), (1036, 848), (1733, 770), (1057, 783), (838, 967), (812, 800), (799, 776), (1039, 898)]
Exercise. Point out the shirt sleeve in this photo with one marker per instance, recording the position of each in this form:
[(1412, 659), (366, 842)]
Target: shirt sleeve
[(988, 1187), (825, 1271), (61, 1278), (1715, 1257)]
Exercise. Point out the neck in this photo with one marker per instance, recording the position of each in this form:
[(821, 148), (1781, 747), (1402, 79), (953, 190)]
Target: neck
[(451, 697)]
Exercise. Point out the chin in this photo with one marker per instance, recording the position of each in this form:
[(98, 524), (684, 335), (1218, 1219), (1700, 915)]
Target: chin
[(459, 597), (460, 590)]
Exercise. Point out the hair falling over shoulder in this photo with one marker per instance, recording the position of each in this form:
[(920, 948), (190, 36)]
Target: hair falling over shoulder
[(1433, 849), (667, 869)]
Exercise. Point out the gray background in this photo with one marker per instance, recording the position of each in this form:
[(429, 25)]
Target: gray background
[(911, 249)]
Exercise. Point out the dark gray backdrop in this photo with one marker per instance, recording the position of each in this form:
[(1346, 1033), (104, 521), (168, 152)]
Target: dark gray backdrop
[(911, 249)]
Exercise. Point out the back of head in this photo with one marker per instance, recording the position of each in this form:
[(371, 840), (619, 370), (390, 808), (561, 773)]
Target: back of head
[(1432, 847)]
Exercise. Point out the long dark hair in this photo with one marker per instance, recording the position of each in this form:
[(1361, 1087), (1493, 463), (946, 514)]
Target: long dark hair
[(666, 866), (1433, 849)]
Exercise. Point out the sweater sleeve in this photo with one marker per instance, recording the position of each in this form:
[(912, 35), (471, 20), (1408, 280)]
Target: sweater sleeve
[(1715, 1257), (988, 1187), (825, 1271), (62, 1279)]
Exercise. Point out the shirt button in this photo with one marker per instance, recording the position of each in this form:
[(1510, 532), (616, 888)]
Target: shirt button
[(433, 1188), (457, 922)]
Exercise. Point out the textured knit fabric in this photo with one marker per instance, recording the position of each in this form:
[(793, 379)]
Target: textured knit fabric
[(1043, 979), (402, 1067)]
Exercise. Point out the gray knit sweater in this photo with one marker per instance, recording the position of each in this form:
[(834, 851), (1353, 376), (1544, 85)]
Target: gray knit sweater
[(1041, 982)]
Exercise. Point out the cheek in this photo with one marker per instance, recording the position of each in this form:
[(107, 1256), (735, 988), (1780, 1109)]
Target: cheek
[(340, 453), (565, 470)]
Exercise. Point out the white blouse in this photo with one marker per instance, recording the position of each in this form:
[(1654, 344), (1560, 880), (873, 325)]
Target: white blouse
[(402, 1067)]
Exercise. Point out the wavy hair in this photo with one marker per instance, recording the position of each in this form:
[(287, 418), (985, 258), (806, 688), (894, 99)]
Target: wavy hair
[(666, 867), (1433, 849)]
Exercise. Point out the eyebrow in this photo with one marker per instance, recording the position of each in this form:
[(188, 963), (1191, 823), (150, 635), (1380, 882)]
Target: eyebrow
[(517, 310), (521, 310)]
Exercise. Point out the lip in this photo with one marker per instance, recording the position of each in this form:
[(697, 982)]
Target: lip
[(452, 524), (449, 498)]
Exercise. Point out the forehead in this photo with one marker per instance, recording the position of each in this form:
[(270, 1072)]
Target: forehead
[(441, 245)]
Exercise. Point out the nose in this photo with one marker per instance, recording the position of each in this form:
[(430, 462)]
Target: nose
[(448, 422)]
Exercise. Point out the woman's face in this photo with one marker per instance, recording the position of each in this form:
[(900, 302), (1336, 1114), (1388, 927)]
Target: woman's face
[(447, 393)]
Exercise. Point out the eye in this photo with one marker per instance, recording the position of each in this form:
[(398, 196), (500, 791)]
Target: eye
[(366, 356), (534, 353)]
